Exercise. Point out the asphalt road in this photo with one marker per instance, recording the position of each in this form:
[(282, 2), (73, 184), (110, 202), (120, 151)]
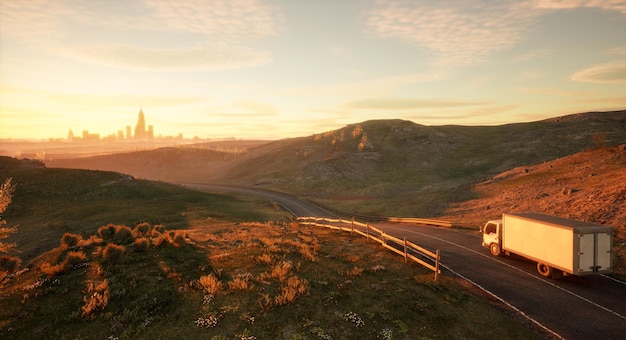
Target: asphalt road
[(586, 307)]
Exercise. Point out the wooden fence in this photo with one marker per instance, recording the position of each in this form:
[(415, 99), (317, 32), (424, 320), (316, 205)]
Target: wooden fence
[(402, 246)]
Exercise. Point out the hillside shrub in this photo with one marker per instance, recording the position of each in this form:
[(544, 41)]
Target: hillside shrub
[(9, 263), (91, 241), (161, 240), (51, 270), (178, 238), (157, 230), (69, 240), (141, 244), (123, 235), (73, 259), (142, 229), (113, 254), (107, 232)]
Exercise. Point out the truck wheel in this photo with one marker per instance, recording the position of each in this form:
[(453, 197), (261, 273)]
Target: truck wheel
[(495, 249), (544, 270)]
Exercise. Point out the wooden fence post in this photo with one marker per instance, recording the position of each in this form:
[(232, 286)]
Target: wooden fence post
[(368, 231), (382, 236), (352, 231), (405, 252), (437, 265)]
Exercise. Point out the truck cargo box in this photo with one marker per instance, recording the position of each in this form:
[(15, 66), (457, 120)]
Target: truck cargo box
[(575, 247)]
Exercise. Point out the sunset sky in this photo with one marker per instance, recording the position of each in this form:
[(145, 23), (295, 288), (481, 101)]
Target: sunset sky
[(288, 68)]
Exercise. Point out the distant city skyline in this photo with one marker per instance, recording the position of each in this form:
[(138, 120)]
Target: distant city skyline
[(142, 133), (270, 69)]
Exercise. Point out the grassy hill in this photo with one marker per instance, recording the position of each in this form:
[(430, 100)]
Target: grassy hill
[(49, 202), (121, 258), (410, 169)]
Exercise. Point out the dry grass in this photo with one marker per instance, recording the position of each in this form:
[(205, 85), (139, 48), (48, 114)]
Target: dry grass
[(266, 259), (355, 271), (279, 272), (240, 289), (97, 292), (293, 288), (241, 282), (71, 261), (210, 283)]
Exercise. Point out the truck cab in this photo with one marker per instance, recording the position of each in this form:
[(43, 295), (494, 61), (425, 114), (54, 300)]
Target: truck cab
[(492, 235)]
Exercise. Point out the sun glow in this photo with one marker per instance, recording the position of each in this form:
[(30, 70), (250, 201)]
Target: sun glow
[(257, 69)]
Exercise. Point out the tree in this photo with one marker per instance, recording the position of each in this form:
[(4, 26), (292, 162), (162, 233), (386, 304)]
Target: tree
[(6, 196)]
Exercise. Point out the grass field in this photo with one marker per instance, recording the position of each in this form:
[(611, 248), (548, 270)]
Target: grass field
[(225, 280)]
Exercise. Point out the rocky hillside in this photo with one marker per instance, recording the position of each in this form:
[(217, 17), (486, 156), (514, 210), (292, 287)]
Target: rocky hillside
[(588, 186)]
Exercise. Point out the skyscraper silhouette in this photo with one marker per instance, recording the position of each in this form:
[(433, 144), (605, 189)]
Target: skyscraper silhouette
[(140, 128)]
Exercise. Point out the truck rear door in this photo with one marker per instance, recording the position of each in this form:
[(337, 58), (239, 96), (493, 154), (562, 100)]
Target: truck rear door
[(594, 252)]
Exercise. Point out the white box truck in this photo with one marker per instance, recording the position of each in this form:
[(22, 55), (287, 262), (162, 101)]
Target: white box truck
[(558, 245)]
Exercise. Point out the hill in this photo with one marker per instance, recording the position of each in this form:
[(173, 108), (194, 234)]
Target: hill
[(383, 167), (121, 258), (50, 202)]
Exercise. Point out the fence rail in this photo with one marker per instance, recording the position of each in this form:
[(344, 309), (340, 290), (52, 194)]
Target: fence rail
[(401, 247)]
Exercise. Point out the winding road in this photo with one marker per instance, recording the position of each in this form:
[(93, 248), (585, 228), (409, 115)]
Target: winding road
[(586, 307)]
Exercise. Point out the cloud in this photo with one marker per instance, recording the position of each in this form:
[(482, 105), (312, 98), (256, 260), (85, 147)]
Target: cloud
[(536, 54), (555, 92), (616, 51), (614, 72), (59, 26), (455, 35), (224, 19), (369, 88), (465, 33), (207, 57), (242, 19), (408, 103), (615, 5)]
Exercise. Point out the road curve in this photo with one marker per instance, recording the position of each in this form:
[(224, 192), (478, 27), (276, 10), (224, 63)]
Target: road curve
[(587, 307), (295, 206)]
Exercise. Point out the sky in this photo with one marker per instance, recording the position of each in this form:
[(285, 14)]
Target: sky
[(288, 68)]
